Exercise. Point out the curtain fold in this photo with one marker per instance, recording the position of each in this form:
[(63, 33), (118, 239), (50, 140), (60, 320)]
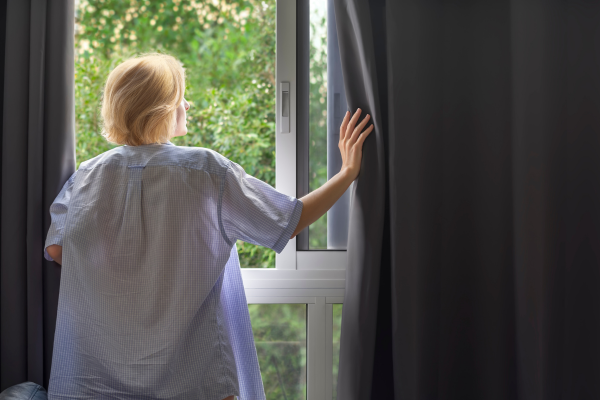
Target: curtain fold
[(38, 156), (474, 248), (356, 32)]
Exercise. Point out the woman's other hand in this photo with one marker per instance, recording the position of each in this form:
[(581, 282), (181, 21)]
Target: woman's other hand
[(55, 251), (351, 142)]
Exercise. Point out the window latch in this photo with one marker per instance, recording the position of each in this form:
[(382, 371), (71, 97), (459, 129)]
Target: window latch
[(284, 114)]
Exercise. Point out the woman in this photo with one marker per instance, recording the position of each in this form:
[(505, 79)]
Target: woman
[(152, 304)]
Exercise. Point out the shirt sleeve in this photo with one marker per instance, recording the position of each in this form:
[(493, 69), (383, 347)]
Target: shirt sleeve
[(253, 211), (58, 215)]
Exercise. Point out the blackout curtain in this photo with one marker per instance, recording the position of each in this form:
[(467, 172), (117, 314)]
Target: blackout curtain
[(37, 157), (474, 236)]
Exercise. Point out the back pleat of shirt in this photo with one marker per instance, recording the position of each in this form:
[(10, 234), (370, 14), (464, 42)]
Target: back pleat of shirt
[(131, 236)]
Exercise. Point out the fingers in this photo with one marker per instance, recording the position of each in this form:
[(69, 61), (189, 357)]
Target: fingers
[(364, 135), (344, 125), (352, 122), (359, 128)]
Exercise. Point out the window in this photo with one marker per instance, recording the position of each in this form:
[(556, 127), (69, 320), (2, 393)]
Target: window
[(321, 91), (280, 339), (308, 63), (266, 90)]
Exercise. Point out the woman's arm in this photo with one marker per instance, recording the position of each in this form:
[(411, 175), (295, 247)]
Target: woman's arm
[(55, 251), (319, 201)]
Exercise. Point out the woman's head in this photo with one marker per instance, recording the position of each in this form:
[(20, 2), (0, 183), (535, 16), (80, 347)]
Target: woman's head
[(143, 101)]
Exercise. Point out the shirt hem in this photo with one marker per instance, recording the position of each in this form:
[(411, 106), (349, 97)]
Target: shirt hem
[(224, 369)]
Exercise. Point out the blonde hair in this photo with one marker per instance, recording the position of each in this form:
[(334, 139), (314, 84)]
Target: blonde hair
[(140, 100)]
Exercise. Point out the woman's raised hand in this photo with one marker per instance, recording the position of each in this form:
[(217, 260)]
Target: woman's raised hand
[(317, 202), (351, 142)]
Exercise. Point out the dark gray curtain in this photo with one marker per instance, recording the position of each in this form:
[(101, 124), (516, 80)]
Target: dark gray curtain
[(474, 241), (38, 156)]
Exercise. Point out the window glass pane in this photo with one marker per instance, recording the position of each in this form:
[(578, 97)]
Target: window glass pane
[(318, 113), (337, 331), (327, 106), (280, 338), (228, 51)]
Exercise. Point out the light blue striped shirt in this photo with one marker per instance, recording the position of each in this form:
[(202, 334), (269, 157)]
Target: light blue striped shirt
[(152, 303)]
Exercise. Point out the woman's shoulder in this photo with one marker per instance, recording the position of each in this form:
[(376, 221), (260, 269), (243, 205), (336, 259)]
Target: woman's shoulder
[(198, 158), (201, 158), (100, 158)]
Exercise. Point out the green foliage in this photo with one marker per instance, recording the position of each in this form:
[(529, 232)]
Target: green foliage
[(89, 81), (337, 333), (280, 337)]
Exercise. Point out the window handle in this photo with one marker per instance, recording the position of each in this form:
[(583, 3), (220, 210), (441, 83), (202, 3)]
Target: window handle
[(285, 107)]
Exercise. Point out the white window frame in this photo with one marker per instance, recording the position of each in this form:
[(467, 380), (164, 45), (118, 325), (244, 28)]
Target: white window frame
[(308, 273), (315, 278), (319, 340)]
